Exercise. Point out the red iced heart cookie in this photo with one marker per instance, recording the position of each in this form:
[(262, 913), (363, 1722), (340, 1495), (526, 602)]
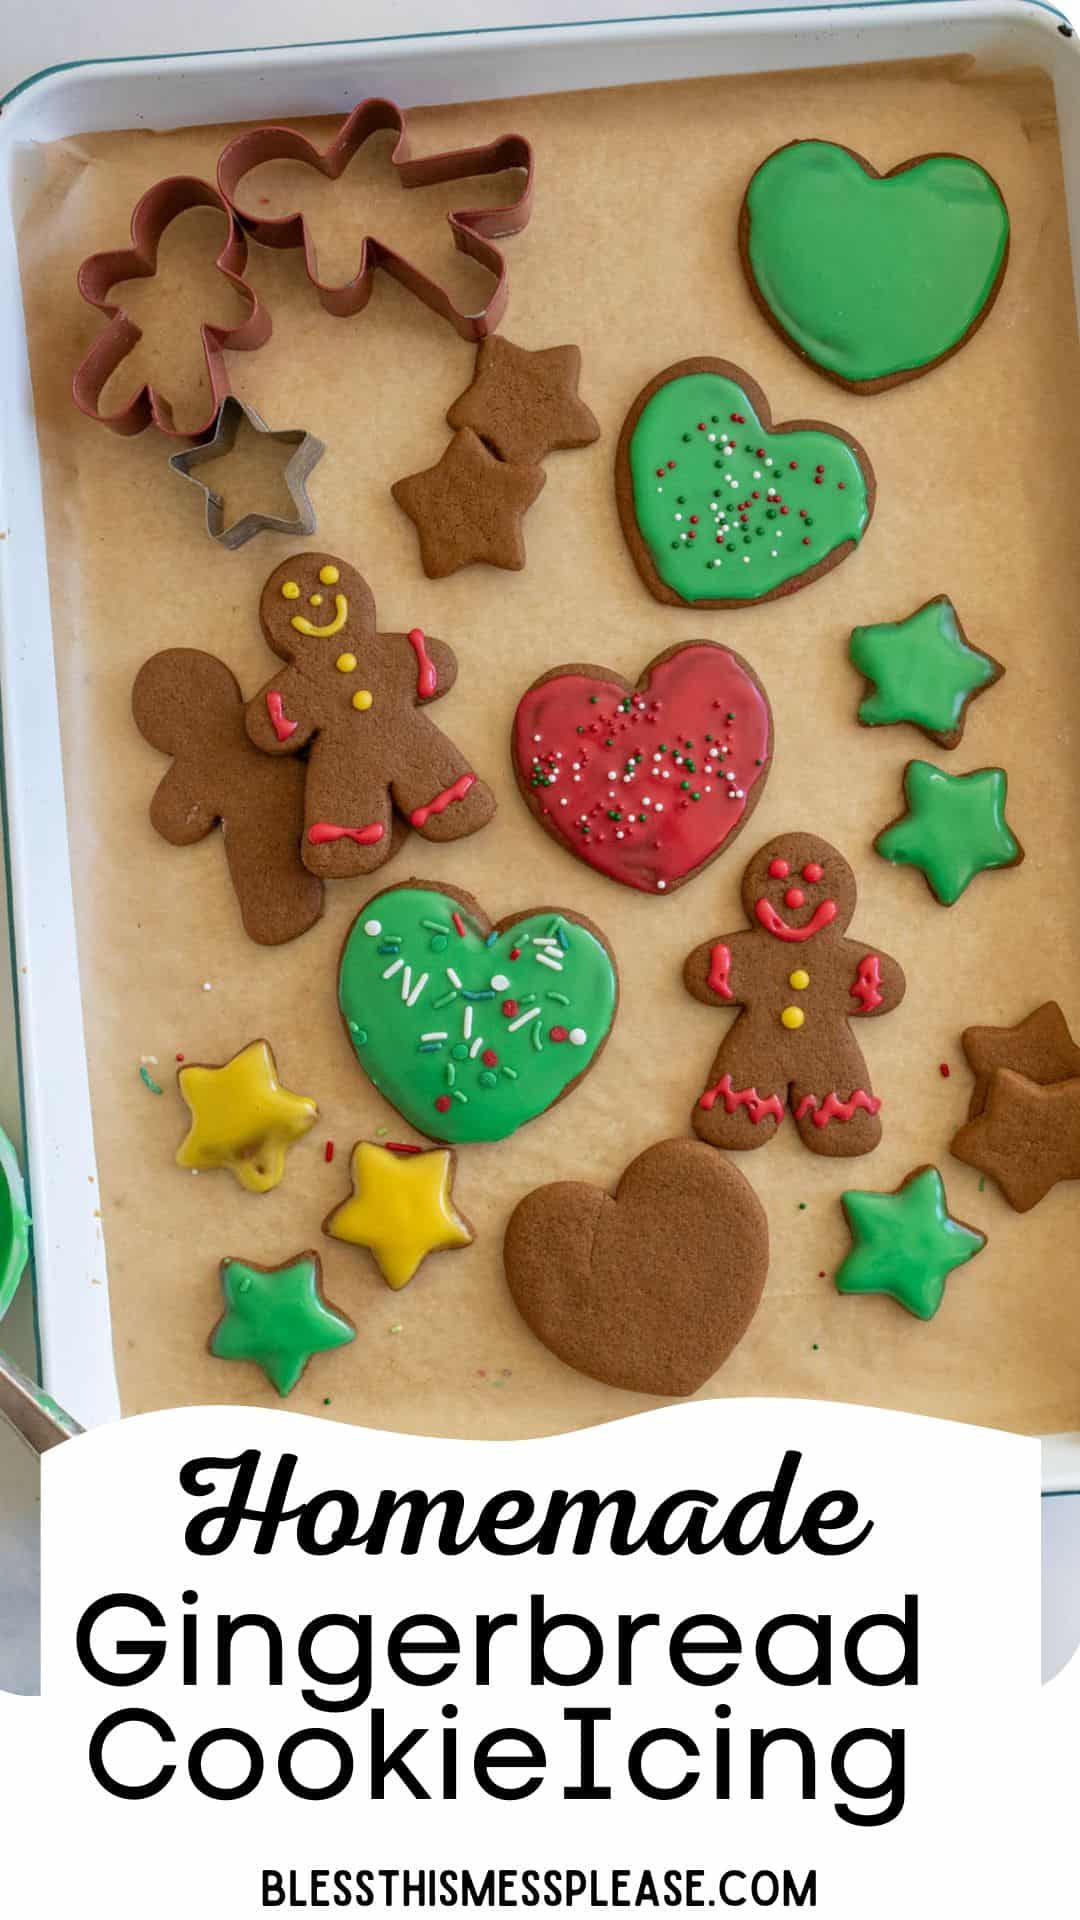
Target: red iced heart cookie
[(648, 782)]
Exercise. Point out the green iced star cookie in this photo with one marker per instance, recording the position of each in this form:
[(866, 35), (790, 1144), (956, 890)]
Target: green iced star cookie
[(277, 1316), (905, 1243), (954, 827), (923, 670)]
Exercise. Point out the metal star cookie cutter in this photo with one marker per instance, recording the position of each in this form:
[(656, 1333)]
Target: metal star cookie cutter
[(474, 231), (308, 452)]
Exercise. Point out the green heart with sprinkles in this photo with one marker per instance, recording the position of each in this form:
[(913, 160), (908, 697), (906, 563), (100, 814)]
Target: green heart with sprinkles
[(467, 1027), (720, 507)]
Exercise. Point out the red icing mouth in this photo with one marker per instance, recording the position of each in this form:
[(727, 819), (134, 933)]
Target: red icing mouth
[(774, 922), (646, 784)]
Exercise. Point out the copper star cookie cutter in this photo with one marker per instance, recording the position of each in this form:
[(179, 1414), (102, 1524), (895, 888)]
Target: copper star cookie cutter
[(474, 231), (158, 208), (306, 453)]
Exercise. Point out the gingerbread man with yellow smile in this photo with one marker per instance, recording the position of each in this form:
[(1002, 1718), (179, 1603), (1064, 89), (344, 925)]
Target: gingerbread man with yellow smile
[(355, 698), (798, 981)]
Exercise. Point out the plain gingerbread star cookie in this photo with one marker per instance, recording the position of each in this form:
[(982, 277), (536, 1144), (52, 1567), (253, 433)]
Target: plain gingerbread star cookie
[(469, 507), (525, 405)]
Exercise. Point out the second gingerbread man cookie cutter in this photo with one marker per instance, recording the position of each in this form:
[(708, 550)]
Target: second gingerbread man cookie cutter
[(159, 206), (475, 230)]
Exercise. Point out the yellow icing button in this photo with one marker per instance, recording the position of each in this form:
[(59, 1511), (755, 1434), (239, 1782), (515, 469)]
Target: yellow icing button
[(362, 700), (242, 1117), (329, 576), (345, 662), (290, 590), (401, 1208), (792, 1017), (799, 979), (315, 600)]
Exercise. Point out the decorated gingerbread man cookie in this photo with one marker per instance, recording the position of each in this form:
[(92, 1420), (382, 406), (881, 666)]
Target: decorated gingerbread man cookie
[(355, 697), (798, 981)]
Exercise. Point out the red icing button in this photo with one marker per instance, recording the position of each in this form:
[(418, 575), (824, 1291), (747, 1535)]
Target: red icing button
[(794, 897), (778, 869), (813, 873)]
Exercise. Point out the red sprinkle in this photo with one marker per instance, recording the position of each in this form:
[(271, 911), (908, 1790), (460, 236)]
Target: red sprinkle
[(806, 539), (509, 1007), (329, 1151), (489, 1057), (701, 426), (693, 519), (739, 419), (515, 953), (179, 1056), (458, 923), (559, 1033), (442, 1104), (945, 1070), (840, 486), (785, 509), (793, 464), (406, 1146), (671, 464)]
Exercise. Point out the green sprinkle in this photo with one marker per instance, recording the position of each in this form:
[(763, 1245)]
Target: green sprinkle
[(396, 1328), (562, 998), (458, 1095), (982, 1184), (594, 699), (148, 1080), (460, 1051), (435, 926), (381, 1133), (326, 1402), (439, 943), (429, 1046), (481, 993), (488, 1079), (802, 1206), (451, 1073), (537, 1037), (445, 999), (527, 1000), (816, 1348), (510, 1072)]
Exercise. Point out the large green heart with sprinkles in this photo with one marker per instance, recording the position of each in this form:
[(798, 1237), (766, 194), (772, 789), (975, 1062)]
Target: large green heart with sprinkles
[(467, 1027), (721, 508)]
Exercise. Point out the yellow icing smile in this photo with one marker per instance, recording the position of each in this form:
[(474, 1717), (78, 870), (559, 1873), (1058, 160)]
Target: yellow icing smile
[(306, 626)]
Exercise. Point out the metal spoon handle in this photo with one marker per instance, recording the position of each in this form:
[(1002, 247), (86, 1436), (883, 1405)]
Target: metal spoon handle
[(37, 1419)]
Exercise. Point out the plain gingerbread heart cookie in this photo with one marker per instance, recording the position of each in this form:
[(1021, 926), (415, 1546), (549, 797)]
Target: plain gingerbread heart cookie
[(649, 1289)]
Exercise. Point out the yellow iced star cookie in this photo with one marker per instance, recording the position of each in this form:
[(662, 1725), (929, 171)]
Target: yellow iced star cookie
[(400, 1208), (242, 1117)]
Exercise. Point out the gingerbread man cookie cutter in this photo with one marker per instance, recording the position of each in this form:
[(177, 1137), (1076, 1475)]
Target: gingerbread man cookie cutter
[(148, 406), (475, 230)]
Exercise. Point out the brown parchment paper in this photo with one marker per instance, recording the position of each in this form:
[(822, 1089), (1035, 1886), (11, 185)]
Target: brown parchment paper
[(632, 254)]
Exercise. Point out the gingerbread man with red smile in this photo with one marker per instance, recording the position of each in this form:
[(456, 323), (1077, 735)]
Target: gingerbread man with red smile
[(798, 981)]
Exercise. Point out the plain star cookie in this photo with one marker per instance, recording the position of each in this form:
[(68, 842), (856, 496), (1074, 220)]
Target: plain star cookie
[(525, 405), (469, 507)]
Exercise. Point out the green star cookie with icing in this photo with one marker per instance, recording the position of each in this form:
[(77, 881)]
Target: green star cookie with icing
[(905, 1243), (277, 1317), (923, 670), (954, 827)]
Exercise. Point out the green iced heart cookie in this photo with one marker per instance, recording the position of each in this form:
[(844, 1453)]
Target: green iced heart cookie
[(469, 1028), (875, 278), (721, 508)]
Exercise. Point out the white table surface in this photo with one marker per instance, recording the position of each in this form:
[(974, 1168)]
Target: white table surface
[(38, 37)]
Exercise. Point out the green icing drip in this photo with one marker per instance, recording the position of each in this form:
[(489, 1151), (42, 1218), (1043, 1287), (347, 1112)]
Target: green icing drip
[(874, 277), (277, 1318), (906, 1243), (954, 827), (534, 1071), (922, 668), (741, 547)]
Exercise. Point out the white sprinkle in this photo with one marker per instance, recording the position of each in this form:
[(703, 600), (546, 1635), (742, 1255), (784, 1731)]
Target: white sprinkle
[(468, 1023), (406, 983), (388, 972), (499, 981), (206, 989), (659, 806), (746, 559), (578, 1035), (613, 776), (373, 927), (537, 737), (546, 960), (523, 1019), (452, 977), (434, 1036), (148, 1059), (678, 516), (417, 990), (476, 1046), (660, 885)]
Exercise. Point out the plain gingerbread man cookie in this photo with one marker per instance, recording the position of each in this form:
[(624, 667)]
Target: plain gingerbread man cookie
[(187, 703), (798, 981), (356, 699)]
